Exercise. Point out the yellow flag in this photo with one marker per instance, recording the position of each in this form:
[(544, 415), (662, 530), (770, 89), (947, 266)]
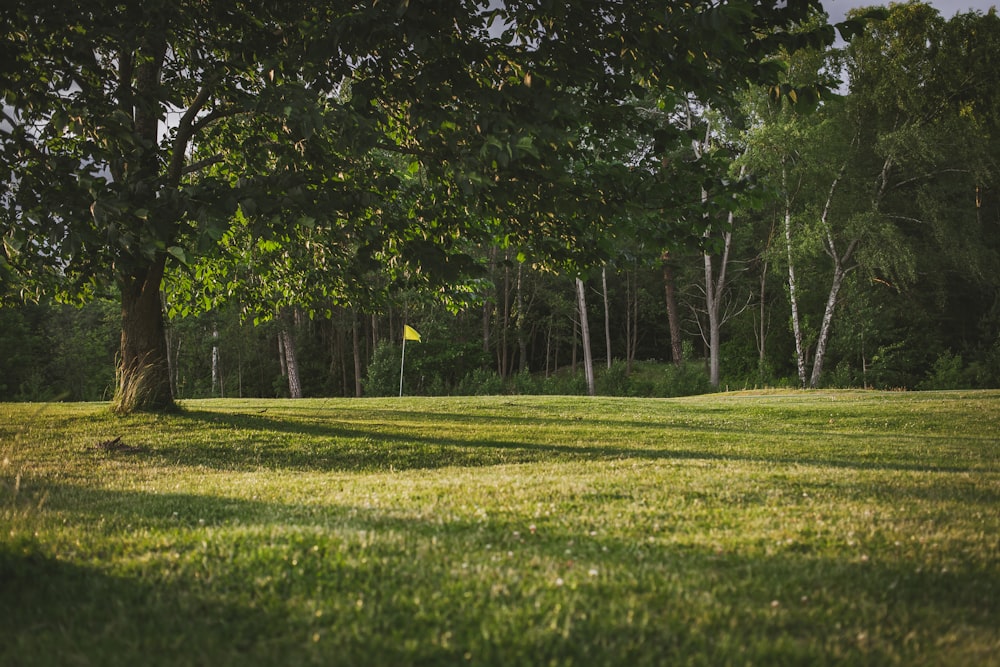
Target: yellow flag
[(409, 333)]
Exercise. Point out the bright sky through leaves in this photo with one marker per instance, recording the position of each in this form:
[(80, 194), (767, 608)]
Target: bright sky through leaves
[(948, 8)]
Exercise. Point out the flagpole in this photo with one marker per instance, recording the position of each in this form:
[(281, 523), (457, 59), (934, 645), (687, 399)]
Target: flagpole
[(401, 362)]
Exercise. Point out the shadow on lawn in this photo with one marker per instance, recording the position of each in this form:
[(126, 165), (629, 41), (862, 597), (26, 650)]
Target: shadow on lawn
[(55, 612), (691, 603), (326, 444)]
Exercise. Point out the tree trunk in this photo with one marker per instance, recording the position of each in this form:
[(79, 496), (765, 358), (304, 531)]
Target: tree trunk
[(762, 326), (143, 370), (607, 314), (290, 359), (281, 354), (548, 346), (216, 371), (824, 331), (715, 289), (519, 322), (712, 299), (486, 327), (488, 306), (800, 352), (576, 341), (504, 357), (291, 363), (588, 359), (634, 310), (839, 271), (356, 344), (175, 374), (673, 316)]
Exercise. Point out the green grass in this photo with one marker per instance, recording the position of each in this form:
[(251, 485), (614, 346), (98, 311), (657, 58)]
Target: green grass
[(734, 529)]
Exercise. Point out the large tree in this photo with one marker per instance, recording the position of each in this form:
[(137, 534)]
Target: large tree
[(107, 105)]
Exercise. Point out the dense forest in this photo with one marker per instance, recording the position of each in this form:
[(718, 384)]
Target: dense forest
[(838, 230)]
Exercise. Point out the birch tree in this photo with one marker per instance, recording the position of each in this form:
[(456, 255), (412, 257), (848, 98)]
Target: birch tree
[(588, 357)]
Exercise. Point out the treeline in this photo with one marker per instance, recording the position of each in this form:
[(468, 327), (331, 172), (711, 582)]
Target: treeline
[(525, 338), (793, 238)]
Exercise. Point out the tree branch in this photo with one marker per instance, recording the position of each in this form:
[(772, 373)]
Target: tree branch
[(187, 126), (930, 175), (201, 164)]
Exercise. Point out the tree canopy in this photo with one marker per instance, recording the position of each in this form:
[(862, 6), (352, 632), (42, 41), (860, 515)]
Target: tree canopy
[(140, 134)]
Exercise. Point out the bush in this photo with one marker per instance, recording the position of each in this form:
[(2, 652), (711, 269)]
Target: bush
[(688, 379), (946, 373), (382, 378), (564, 383), (843, 377), (481, 382), (525, 384), (614, 381)]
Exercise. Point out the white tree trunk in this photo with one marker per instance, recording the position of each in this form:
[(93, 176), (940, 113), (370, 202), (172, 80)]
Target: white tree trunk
[(715, 287), (607, 314), (712, 306), (800, 352), (762, 326), (824, 332), (588, 359), (839, 271)]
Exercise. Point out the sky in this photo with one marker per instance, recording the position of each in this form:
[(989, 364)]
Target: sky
[(948, 8)]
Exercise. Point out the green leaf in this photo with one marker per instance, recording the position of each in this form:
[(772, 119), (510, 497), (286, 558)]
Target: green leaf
[(178, 253), (526, 145)]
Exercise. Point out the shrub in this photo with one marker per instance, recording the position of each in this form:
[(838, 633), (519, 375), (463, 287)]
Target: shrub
[(524, 383), (946, 373), (614, 381), (382, 378), (842, 377), (565, 383), (481, 382), (688, 379)]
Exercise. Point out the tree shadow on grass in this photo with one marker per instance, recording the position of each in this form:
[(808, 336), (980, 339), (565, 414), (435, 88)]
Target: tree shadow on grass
[(328, 444), (55, 612), (650, 603)]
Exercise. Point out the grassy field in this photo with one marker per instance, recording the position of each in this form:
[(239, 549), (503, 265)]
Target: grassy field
[(855, 528)]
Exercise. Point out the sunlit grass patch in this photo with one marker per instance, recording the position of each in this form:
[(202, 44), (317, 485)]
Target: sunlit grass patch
[(795, 528)]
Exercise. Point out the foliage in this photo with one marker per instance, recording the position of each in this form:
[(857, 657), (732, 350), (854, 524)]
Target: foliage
[(567, 382), (771, 528), (948, 372), (524, 383), (383, 371), (58, 352), (330, 137), (447, 178), (480, 382), (613, 381)]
